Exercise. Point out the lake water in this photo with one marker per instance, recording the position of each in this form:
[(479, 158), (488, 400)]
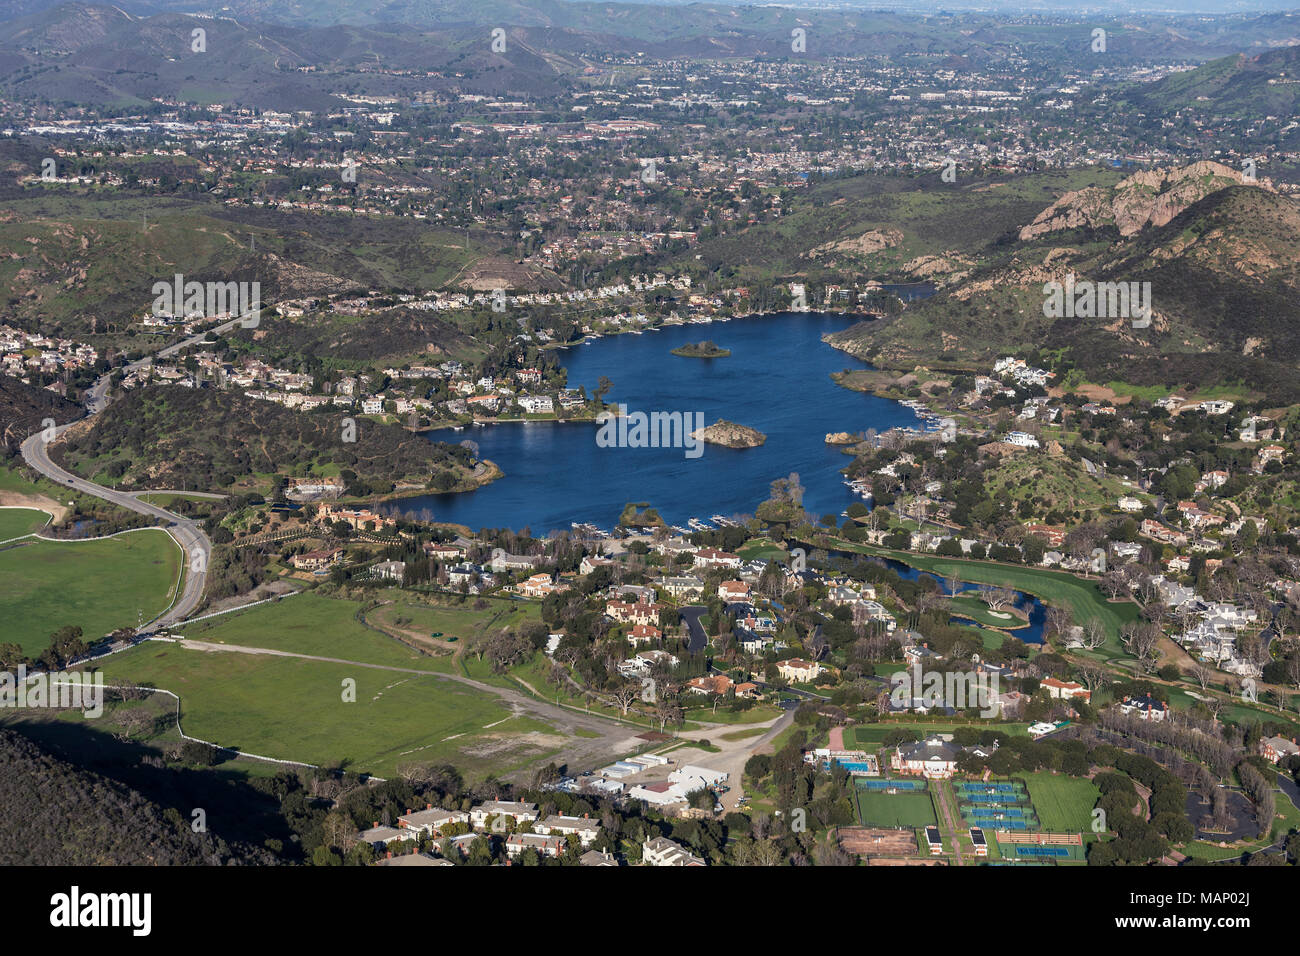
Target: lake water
[(777, 380)]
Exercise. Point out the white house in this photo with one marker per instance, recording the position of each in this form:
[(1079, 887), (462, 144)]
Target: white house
[(664, 852), (510, 809), (584, 828)]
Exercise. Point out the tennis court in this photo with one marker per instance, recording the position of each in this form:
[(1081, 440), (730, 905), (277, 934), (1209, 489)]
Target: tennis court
[(892, 785)]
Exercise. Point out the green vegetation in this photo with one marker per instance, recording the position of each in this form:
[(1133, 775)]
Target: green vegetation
[(1063, 803), (213, 440), (310, 624), (294, 709), (705, 349), (903, 809), (97, 585), (16, 522), (1083, 598)]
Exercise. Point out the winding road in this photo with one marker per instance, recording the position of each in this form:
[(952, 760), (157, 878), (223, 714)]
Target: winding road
[(193, 542)]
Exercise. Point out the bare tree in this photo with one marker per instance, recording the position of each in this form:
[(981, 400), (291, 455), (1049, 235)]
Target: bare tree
[(1059, 619), (1093, 676), (1094, 634), (996, 598), (1202, 675), (624, 696), (667, 711)]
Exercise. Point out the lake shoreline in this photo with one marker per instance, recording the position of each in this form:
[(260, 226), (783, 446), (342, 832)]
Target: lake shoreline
[(564, 476)]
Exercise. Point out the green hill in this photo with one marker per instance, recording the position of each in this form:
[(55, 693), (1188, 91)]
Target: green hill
[(212, 440)]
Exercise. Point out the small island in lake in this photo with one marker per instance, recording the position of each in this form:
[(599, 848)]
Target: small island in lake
[(705, 349), (731, 435)]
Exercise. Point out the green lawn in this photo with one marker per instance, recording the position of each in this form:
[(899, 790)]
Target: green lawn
[(293, 709), (879, 809), (16, 522), (973, 609), (98, 585), (760, 549), (311, 624), (1063, 804), (459, 621)]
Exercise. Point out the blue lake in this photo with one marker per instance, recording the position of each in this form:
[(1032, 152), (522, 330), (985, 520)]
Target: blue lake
[(777, 380)]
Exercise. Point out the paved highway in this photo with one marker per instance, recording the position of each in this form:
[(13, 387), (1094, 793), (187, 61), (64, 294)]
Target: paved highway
[(193, 542), (188, 534)]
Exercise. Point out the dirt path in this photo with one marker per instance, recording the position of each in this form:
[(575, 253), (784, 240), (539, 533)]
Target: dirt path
[(949, 813), (13, 499)]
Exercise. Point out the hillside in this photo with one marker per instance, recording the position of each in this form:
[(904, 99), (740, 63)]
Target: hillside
[(1224, 280), (895, 227), (23, 409), (83, 269), (1240, 86), (164, 437), (393, 335), (58, 815), (101, 55)]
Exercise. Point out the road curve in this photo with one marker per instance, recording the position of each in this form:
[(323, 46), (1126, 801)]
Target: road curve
[(196, 548), (194, 544)]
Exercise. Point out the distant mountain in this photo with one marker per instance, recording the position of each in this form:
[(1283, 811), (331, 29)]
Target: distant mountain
[(265, 42), (79, 53)]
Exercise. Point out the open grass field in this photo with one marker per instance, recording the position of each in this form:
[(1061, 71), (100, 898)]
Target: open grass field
[(294, 709), (878, 809), (1064, 804), (16, 522), (459, 621), (311, 624), (97, 585)]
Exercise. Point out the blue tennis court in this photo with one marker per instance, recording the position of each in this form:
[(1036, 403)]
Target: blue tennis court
[(890, 784), (968, 787), (1055, 852), (998, 813), (993, 799)]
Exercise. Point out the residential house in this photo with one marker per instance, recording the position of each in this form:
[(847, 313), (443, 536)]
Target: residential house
[(509, 809), (431, 820), (584, 828), (552, 846), (662, 851), (1276, 749), (798, 671), (1065, 690), (1145, 707), (644, 634), (318, 560), (380, 836), (712, 558), (719, 684)]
